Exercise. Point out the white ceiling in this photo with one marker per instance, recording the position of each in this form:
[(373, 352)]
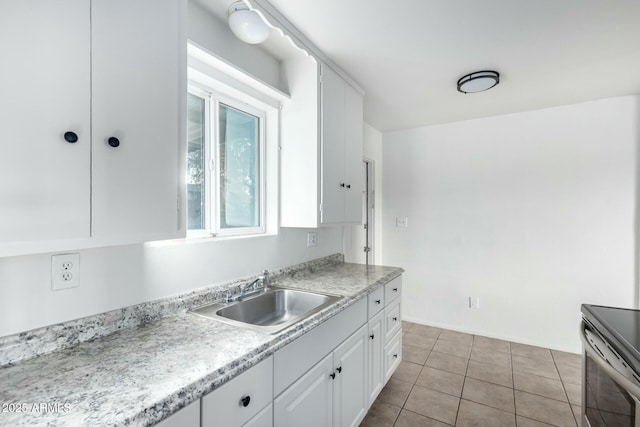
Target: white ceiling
[(408, 54)]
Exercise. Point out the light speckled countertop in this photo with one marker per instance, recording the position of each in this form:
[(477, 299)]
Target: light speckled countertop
[(139, 376)]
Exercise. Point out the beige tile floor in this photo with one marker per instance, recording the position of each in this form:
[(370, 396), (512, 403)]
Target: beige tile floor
[(451, 378)]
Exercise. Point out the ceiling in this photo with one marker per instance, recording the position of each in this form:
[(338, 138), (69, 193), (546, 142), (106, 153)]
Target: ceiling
[(408, 54)]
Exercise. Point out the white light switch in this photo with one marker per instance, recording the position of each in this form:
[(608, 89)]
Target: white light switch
[(402, 222)]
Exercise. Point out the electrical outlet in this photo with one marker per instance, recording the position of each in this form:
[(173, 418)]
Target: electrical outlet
[(65, 271), (312, 239)]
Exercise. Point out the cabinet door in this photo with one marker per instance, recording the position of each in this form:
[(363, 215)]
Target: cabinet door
[(138, 97), (353, 131), (350, 397), (333, 122), (375, 377), (308, 401), (45, 92)]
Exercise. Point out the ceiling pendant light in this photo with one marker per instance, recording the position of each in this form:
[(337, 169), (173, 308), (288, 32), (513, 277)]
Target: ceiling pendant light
[(247, 24), (478, 81)]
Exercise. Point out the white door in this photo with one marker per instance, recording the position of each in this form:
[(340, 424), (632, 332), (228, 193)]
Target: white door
[(307, 402), (137, 64), (44, 94), (375, 377), (350, 397)]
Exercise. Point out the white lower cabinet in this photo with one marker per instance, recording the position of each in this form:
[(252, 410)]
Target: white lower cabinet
[(328, 377), (309, 401), (350, 398), (332, 393), (376, 343), (242, 400)]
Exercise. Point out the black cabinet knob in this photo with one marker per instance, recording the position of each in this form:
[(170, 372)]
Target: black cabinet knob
[(333, 375), (71, 137), (244, 401), (342, 184), (372, 336), (395, 289), (348, 185), (395, 319), (378, 301), (395, 356), (339, 369), (113, 141)]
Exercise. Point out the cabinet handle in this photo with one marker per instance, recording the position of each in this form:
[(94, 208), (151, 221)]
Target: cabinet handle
[(395, 289), (395, 319), (339, 369), (342, 184), (348, 185), (395, 356), (371, 336), (71, 137), (245, 400), (113, 141), (378, 301), (333, 375)]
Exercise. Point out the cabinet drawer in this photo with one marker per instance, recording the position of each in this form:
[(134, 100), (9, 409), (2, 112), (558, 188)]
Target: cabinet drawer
[(225, 406), (393, 289), (392, 320), (375, 301), (392, 355)]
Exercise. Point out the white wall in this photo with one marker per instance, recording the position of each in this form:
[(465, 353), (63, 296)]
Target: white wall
[(354, 237), (534, 213), (117, 277)]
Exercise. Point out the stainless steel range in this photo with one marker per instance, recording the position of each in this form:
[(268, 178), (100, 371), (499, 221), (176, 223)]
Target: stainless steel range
[(611, 366)]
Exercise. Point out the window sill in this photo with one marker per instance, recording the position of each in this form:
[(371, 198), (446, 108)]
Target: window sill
[(198, 239)]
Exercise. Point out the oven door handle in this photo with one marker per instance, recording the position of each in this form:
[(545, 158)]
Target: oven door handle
[(616, 376)]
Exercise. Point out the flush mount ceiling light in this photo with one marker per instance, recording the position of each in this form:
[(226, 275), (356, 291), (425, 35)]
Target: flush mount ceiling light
[(478, 81), (246, 24)]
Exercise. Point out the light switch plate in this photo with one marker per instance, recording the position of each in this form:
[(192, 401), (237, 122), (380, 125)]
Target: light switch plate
[(402, 222), (65, 271)]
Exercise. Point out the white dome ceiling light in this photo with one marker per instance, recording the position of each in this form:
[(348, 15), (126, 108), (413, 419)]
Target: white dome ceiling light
[(478, 81), (247, 24)]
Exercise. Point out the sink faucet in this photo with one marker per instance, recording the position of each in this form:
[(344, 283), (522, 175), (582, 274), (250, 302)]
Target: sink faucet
[(250, 288)]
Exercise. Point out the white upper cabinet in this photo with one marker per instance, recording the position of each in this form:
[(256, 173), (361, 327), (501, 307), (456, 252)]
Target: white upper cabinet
[(90, 72), (138, 69), (342, 128), (321, 157), (45, 94)]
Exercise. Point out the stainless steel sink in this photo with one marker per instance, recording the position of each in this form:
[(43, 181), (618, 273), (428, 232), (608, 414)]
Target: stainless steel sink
[(269, 312)]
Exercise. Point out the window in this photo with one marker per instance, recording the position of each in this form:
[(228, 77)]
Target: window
[(225, 165)]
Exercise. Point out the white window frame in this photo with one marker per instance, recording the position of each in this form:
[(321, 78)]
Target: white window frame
[(212, 220), (208, 73)]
